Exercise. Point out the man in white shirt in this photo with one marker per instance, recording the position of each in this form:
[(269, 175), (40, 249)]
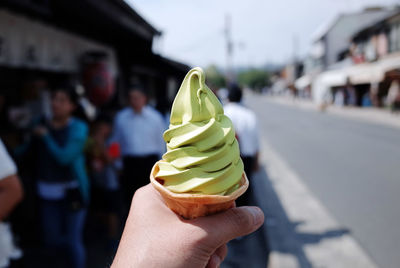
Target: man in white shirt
[(246, 126), (10, 196), (139, 130)]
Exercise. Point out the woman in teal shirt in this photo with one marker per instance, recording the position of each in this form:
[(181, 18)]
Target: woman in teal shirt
[(62, 183)]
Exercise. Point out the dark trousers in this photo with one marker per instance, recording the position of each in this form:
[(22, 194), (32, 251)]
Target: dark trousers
[(136, 173), (63, 229), (247, 198)]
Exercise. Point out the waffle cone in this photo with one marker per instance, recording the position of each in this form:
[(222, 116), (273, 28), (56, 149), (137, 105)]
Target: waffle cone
[(191, 206)]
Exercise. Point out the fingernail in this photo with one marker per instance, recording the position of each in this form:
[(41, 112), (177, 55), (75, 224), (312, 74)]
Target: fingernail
[(257, 214)]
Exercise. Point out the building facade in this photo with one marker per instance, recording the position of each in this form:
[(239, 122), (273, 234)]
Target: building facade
[(330, 43), (56, 40)]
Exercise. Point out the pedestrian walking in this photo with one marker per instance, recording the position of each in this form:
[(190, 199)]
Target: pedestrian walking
[(246, 126), (138, 129)]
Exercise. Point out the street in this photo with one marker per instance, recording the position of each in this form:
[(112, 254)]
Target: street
[(351, 167)]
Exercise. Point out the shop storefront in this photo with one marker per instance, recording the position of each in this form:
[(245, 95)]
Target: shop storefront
[(105, 46), (100, 46), (367, 78)]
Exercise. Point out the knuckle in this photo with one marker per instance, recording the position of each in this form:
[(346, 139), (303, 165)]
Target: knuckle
[(199, 234), (239, 220), (139, 193), (137, 198), (200, 240), (222, 251)]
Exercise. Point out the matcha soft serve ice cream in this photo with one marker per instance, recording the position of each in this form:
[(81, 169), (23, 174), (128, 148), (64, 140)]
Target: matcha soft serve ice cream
[(202, 158)]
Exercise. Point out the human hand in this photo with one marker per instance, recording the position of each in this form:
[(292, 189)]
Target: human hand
[(154, 236), (11, 193)]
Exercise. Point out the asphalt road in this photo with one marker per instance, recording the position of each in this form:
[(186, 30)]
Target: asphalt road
[(352, 167)]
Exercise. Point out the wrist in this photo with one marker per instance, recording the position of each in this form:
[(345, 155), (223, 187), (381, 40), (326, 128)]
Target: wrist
[(142, 251)]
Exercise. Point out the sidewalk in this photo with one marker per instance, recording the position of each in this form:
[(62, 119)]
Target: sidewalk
[(371, 114)]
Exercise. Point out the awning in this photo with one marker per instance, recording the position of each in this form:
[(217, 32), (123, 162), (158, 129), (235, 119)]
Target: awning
[(390, 63), (368, 73), (333, 78), (365, 73), (322, 84)]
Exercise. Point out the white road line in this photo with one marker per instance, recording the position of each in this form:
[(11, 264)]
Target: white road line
[(324, 245)]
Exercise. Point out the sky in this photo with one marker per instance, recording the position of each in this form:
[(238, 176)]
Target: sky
[(262, 31)]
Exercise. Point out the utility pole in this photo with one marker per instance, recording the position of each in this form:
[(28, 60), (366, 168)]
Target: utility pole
[(294, 64), (229, 49), (295, 44)]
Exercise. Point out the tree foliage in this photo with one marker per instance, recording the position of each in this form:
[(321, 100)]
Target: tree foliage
[(254, 78), (215, 78)]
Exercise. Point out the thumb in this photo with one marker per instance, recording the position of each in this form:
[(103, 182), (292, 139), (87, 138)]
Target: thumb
[(230, 224)]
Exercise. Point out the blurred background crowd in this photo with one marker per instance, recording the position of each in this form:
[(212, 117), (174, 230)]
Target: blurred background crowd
[(73, 168), (66, 76)]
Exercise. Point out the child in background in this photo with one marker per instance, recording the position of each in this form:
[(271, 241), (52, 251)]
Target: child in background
[(102, 156)]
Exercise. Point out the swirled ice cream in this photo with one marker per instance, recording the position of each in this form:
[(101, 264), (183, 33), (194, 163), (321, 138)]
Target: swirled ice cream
[(202, 151)]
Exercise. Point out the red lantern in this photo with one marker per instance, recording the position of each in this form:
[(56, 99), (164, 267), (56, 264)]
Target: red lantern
[(98, 82)]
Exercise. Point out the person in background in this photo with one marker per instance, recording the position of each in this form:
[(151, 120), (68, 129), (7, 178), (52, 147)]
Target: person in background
[(393, 97), (339, 98), (102, 156), (366, 100), (246, 126), (11, 194), (139, 130), (293, 91), (374, 94), (62, 183), (85, 110), (350, 94), (4, 122)]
